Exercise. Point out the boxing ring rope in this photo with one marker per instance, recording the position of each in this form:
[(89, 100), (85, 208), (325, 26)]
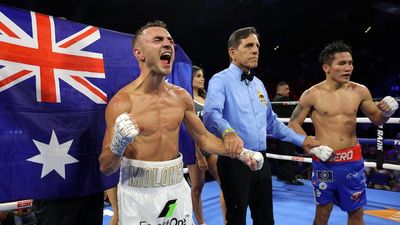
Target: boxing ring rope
[(15, 205), (297, 102), (8, 206), (379, 141), (28, 203), (361, 140), (359, 120), (385, 141), (309, 160), (367, 140)]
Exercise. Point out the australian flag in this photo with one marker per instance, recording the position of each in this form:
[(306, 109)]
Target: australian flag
[(56, 77)]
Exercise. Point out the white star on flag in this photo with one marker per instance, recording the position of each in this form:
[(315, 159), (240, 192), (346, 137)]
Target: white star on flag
[(53, 156)]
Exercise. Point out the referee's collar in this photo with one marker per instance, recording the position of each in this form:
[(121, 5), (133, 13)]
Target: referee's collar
[(237, 72)]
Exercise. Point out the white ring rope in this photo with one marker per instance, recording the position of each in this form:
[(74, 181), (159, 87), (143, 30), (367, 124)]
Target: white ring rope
[(370, 141), (309, 160), (15, 205), (285, 103), (394, 120), (7, 206), (361, 140), (373, 141), (297, 102), (28, 203)]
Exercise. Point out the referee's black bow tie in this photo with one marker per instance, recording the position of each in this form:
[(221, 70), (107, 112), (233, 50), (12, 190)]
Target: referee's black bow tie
[(247, 76)]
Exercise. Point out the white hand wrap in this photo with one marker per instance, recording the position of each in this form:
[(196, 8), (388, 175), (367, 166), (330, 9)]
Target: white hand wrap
[(253, 155), (393, 105), (323, 152), (124, 133)]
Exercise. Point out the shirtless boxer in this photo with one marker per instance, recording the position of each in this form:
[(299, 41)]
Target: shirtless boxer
[(332, 106), (143, 121)]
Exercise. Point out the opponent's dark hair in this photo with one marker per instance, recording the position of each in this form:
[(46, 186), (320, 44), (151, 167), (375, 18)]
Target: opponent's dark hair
[(328, 52)]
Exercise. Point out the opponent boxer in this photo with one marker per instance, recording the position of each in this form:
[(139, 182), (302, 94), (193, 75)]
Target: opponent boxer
[(141, 138), (332, 105)]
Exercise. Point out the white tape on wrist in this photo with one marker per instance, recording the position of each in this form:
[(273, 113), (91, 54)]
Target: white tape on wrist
[(323, 152), (124, 133), (393, 105), (253, 155)]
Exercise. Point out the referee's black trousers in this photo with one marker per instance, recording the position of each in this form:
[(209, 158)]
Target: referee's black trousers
[(242, 187)]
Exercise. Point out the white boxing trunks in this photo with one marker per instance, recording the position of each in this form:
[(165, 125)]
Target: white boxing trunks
[(153, 193)]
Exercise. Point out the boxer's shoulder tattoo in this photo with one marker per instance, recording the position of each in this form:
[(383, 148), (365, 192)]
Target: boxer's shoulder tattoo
[(296, 112), (299, 108)]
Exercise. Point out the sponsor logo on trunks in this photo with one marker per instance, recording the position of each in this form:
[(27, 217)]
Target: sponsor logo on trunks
[(317, 193), (352, 175), (343, 156), (356, 196), (167, 213), (324, 176), (168, 209), (322, 185), (148, 177), (314, 182)]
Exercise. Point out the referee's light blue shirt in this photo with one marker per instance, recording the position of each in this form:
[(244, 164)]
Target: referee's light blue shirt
[(244, 107)]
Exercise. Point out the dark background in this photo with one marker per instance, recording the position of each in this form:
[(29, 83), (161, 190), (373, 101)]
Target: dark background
[(299, 28)]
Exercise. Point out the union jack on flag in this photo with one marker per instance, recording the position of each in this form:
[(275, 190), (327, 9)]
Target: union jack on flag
[(49, 59), (56, 77)]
